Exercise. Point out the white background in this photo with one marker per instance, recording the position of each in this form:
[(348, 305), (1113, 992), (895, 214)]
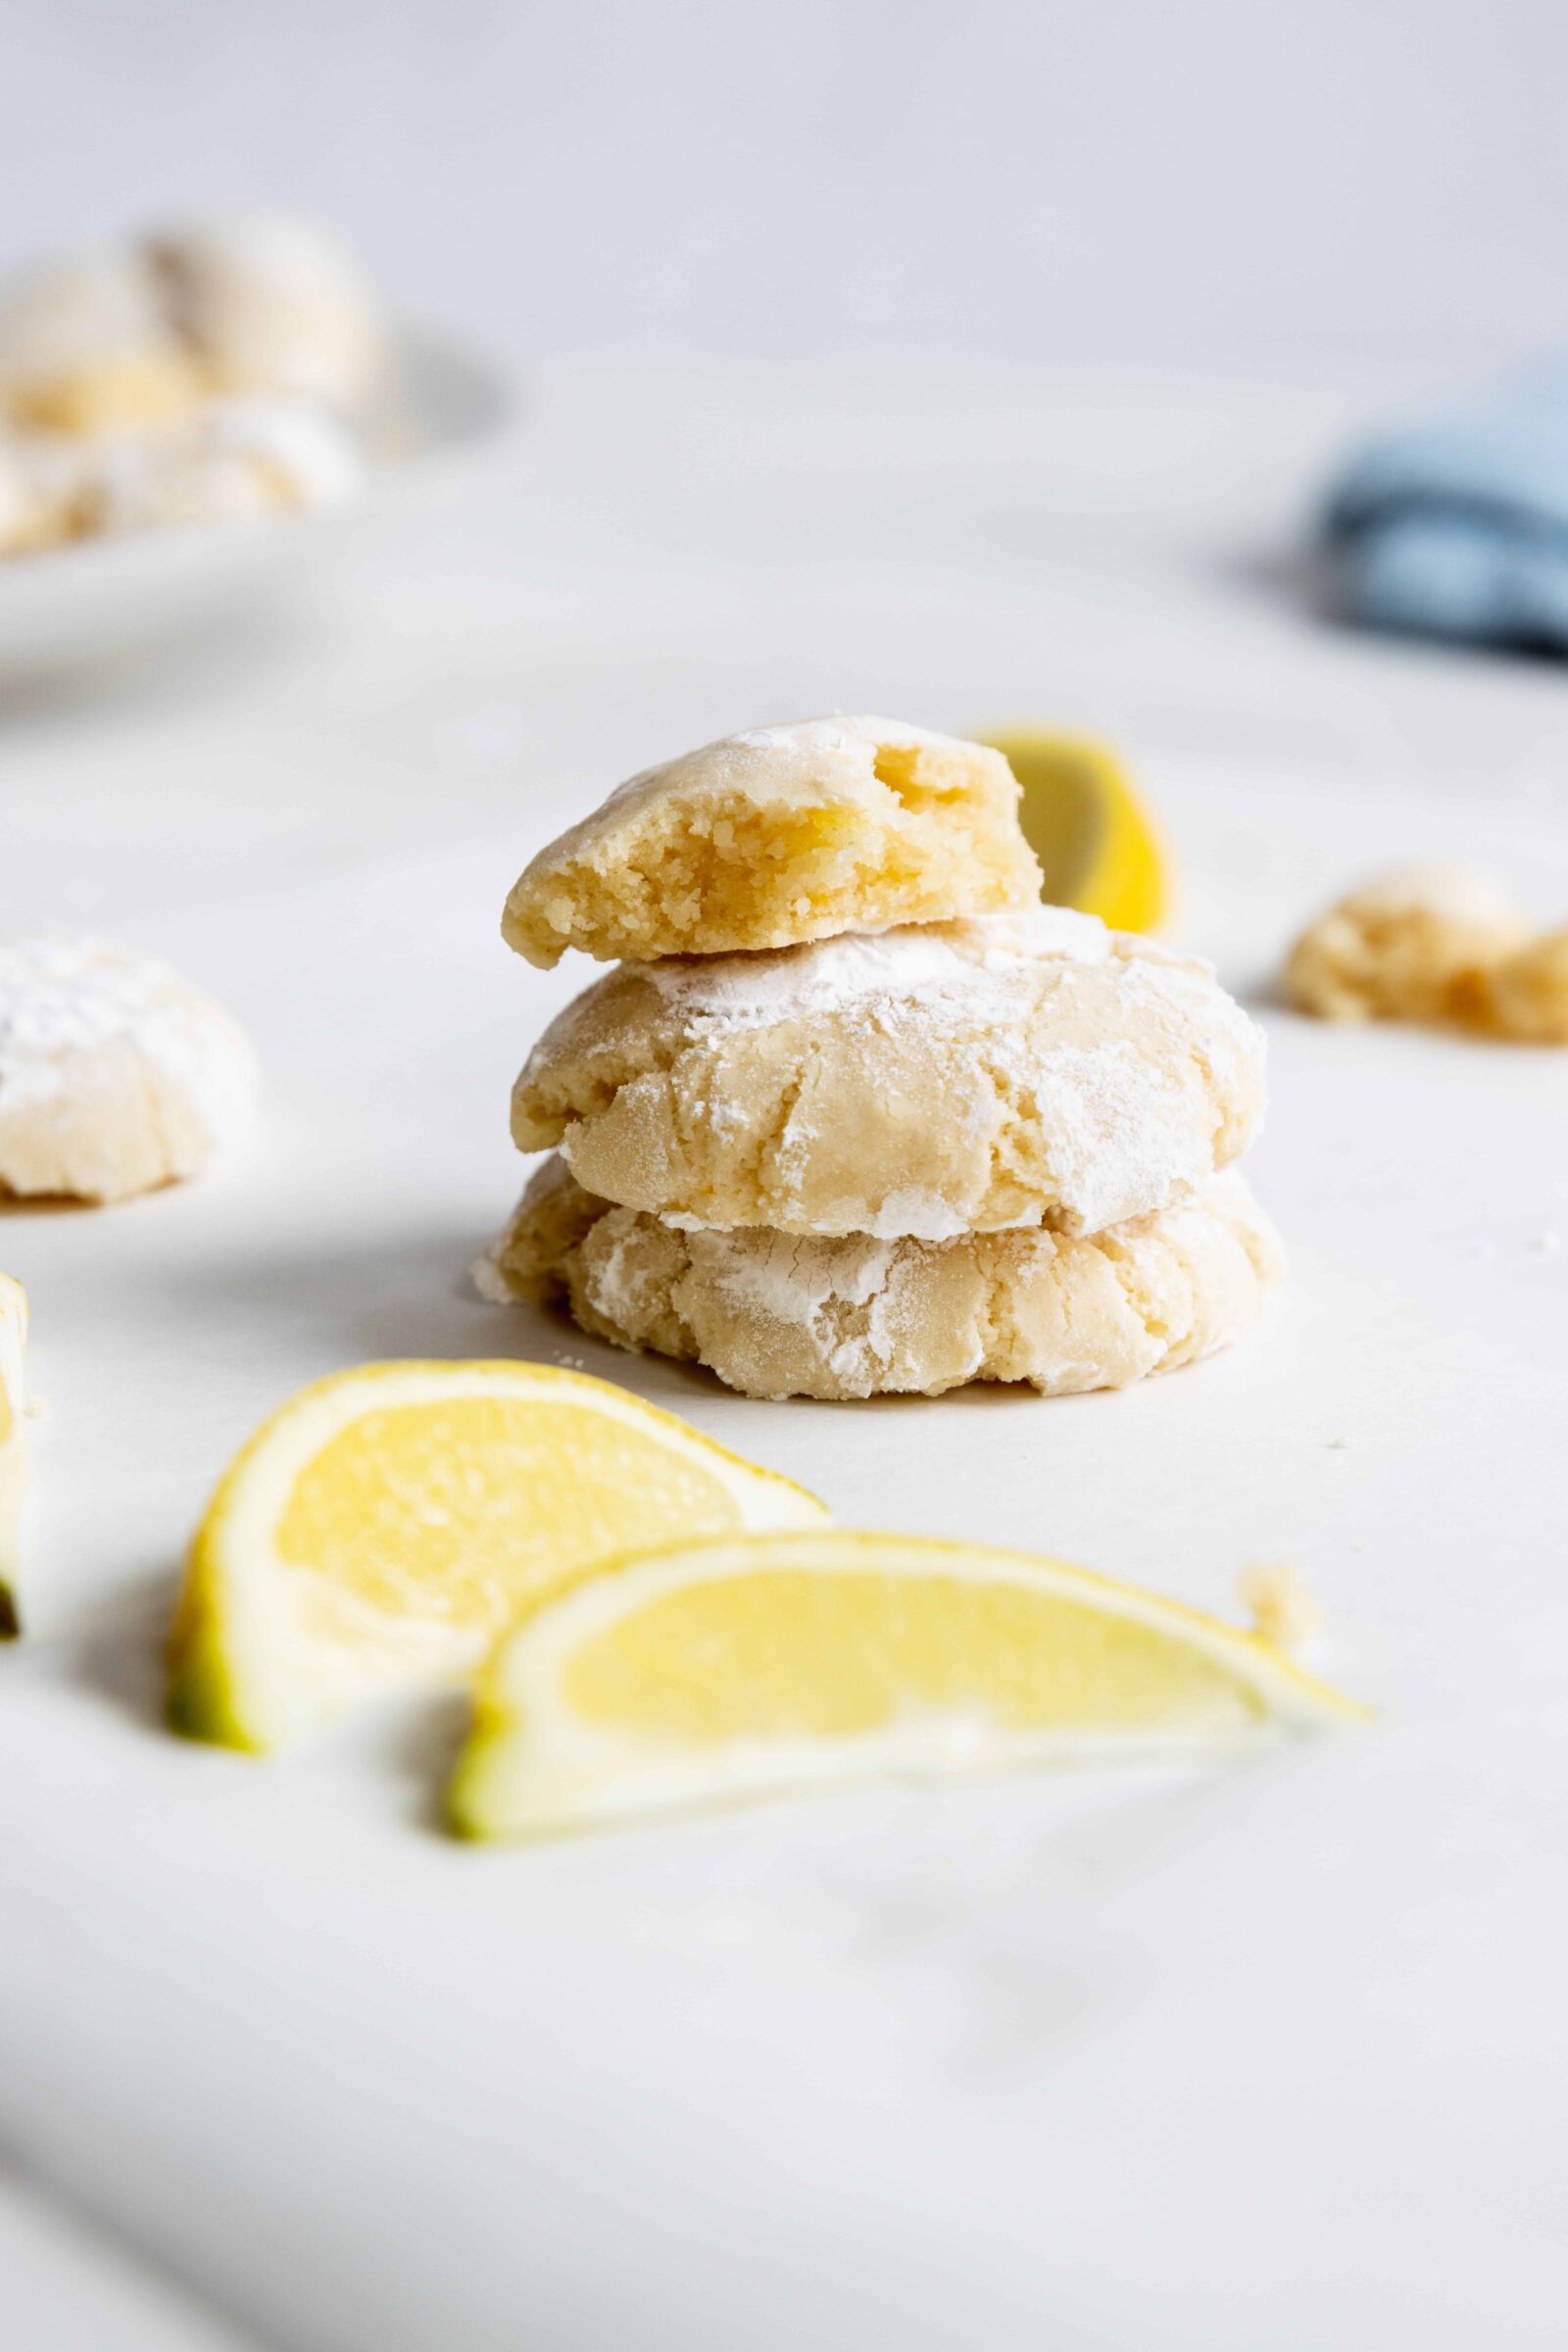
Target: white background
[(1127, 180), (967, 365)]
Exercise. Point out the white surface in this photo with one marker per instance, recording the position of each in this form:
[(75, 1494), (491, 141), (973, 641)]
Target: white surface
[(68, 2290), (1131, 180), (97, 597), (1263, 2058)]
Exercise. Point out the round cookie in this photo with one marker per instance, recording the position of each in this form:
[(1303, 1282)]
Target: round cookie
[(273, 305), (239, 460), (38, 482), (1405, 947), (857, 1317), (116, 1075), (1031, 1069), (85, 346), (779, 835), (1525, 996)]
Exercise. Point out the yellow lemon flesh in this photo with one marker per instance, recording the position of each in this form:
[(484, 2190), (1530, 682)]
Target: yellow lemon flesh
[(756, 1665), (380, 1530), (1098, 846), (13, 1450)]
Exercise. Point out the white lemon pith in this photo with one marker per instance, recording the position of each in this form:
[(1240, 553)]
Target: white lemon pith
[(380, 1530), (764, 1664), (12, 1449)]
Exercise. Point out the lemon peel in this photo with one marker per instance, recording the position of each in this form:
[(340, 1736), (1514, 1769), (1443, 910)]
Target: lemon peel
[(379, 1532), (764, 1664)]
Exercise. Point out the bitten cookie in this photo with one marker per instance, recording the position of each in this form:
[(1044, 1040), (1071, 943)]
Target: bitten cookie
[(1525, 996), (857, 1317), (1407, 948), (13, 1447), (1019, 1070), (115, 1074), (779, 835)]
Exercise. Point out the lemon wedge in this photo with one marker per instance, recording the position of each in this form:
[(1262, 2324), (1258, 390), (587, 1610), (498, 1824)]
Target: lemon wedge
[(13, 1450), (380, 1532), (1100, 847), (759, 1664)]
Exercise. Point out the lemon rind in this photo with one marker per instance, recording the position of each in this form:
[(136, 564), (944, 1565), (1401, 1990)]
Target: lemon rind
[(486, 1798), (239, 1674), (1127, 875)]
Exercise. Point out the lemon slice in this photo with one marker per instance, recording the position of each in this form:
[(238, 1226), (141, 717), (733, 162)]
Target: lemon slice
[(380, 1530), (13, 1450), (765, 1663), (1099, 847)]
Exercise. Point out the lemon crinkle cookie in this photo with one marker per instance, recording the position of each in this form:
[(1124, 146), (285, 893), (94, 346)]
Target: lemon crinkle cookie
[(116, 1075), (1525, 996), (272, 304), (87, 347), (237, 461), (1017, 1070), (1405, 947), (779, 835), (780, 1317), (12, 1445), (148, 330)]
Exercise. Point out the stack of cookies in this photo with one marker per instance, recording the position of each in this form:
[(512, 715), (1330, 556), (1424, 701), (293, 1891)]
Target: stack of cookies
[(856, 1113)]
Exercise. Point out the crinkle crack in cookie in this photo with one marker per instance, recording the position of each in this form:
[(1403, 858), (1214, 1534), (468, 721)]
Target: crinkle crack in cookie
[(1407, 948), (857, 1317), (273, 305), (1019, 1070), (780, 835), (115, 1074)]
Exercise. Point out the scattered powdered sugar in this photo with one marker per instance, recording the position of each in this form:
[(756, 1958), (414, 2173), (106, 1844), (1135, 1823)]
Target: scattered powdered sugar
[(910, 960), (62, 994)]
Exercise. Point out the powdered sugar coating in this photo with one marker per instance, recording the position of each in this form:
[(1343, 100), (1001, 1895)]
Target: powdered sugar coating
[(1018, 1069), (776, 1315), (780, 835), (236, 461), (115, 1073)]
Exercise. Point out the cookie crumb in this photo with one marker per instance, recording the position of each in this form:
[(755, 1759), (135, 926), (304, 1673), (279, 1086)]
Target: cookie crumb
[(1284, 1613)]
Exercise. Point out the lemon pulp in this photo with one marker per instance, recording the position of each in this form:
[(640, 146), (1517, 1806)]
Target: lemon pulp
[(466, 1508), (379, 1532), (762, 1663), (1098, 848), (780, 1653)]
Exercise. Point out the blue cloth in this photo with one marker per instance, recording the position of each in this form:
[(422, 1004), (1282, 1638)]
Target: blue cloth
[(1458, 527)]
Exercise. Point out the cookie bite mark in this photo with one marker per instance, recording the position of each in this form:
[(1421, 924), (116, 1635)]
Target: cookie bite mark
[(778, 836)]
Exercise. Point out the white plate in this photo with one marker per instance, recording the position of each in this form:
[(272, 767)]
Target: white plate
[(94, 598)]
